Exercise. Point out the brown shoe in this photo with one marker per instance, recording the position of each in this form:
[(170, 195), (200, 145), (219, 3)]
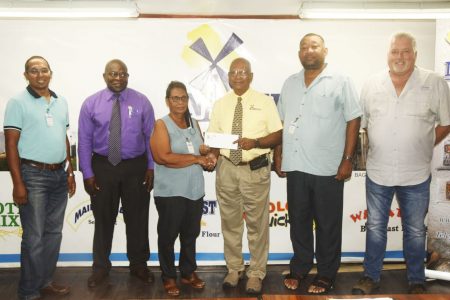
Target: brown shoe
[(55, 289), (254, 285), (96, 278), (143, 274), (232, 279), (170, 285), (193, 281)]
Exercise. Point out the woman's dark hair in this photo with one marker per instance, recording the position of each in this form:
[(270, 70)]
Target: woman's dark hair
[(179, 85)]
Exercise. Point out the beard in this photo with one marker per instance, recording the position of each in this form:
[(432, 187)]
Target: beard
[(401, 68), (312, 64)]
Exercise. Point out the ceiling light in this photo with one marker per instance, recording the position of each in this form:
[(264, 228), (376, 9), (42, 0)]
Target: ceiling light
[(69, 9), (374, 10)]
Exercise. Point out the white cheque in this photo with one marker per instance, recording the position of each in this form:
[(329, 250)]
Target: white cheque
[(221, 140)]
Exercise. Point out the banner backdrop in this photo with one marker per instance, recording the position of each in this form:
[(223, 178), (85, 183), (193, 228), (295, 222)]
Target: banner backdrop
[(197, 52), (439, 211)]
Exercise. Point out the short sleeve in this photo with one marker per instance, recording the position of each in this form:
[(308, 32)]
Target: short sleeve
[(352, 109), (13, 115), (273, 119)]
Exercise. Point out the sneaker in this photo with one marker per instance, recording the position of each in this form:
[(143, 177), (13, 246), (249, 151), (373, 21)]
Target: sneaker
[(417, 288), (232, 279), (365, 285), (254, 285)]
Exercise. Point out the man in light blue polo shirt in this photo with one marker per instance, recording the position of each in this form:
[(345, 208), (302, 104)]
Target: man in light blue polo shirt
[(321, 116), (37, 152)]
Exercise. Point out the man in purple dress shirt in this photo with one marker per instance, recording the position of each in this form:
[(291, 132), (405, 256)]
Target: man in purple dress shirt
[(128, 179)]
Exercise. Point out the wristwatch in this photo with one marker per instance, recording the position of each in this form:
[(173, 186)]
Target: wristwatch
[(257, 145), (348, 157)]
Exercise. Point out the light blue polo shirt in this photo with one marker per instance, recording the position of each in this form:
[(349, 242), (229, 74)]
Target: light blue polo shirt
[(185, 182), (39, 140), (315, 120)]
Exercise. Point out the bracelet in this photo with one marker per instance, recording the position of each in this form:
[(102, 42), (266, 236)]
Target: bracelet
[(257, 144), (70, 174), (348, 157)]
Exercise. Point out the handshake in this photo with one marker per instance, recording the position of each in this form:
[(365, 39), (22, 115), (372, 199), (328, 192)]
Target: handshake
[(207, 158)]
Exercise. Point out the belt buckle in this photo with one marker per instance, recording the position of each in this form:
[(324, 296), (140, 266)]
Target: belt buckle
[(33, 165)]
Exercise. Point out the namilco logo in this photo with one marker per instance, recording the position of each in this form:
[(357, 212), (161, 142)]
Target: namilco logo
[(209, 53)]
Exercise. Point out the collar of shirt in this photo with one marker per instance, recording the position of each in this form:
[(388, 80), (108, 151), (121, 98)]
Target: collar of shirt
[(414, 80), (244, 96), (326, 72), (36, 95), (112, 95)]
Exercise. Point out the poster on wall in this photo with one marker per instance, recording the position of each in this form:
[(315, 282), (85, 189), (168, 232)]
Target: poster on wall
[(438, 243)]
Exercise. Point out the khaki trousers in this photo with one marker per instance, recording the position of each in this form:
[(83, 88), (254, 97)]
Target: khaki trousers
[(241, 190)]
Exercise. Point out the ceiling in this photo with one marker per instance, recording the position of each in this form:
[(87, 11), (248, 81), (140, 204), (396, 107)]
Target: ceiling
[(269, 7), (235, 7)]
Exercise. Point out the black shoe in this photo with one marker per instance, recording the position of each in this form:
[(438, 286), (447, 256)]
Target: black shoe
[(96, 278), (143, 274), (417, 288), (365, 286)]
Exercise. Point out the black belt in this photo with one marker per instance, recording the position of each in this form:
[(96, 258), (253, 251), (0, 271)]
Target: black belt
[(42, 166), (105, 157)]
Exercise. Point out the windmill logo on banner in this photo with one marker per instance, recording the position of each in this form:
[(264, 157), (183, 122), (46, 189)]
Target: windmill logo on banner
[(211, 83)]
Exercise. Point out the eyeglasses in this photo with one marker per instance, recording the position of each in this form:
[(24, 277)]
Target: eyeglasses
[(35, 72), (238, 73), (181, 99), (118, 74)]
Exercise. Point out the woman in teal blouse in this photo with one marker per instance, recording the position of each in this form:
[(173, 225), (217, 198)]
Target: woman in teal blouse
[(178, 188)]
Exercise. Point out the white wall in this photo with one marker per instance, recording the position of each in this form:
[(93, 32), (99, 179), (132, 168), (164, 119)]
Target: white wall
[(152, 48)]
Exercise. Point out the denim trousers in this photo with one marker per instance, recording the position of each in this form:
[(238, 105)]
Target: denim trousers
[(413, 201), (42, 222)]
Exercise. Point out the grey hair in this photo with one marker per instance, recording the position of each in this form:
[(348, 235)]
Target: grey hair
[(406, 35)]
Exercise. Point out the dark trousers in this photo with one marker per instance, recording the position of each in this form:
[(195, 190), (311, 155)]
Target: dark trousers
[(315, 201), (123, 182), (178, 216)]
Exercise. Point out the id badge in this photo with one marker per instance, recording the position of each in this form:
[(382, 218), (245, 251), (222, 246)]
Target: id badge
[(49, 119), (190, 146), (292, 127)]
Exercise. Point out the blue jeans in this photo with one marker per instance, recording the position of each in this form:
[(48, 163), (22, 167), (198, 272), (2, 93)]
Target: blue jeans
[(413, 201), (42, 222)]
